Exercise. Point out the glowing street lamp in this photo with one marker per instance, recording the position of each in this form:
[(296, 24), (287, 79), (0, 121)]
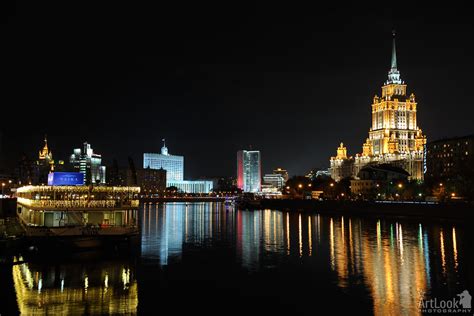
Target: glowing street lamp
[(332, 184), (400, 185), (300, 185)]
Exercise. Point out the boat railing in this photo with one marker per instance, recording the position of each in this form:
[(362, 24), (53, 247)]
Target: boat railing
[(72, 204)]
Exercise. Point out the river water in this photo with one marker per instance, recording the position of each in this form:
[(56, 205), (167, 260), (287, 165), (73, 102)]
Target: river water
[(208, 258)]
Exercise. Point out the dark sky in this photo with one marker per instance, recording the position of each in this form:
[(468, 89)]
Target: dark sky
[(291, 81)]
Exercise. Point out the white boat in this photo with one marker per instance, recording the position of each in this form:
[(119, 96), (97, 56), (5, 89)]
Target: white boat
[(78, 216)]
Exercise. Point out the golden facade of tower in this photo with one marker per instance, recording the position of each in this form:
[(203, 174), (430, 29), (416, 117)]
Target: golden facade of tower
[(45, 157), (394, 136), (45, 153)]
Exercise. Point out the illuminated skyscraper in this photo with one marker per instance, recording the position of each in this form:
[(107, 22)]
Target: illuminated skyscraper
[(174, 165), (249, 172), (88, 163), (394, 136), (44, 165)]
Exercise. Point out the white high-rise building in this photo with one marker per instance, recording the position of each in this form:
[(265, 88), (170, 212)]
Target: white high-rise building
[(249, 171), (174, 165)]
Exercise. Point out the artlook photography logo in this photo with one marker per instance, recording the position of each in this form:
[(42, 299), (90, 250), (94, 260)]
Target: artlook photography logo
[(461, 303)]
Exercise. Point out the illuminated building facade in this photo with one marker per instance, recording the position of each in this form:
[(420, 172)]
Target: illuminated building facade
[(44, 164), (37, 171), (89, 163), (394, 136), (275, 180), (281, 172), (174, 165), (249, 172), (192, 186)]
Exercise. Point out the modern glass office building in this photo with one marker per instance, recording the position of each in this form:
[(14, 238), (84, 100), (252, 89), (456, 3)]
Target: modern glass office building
[(249, 172), (89, 163), (174, 165)]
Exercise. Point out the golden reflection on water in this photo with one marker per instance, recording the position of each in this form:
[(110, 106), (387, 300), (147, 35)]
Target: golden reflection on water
[(69, 290), (310, 237), (396, 277), (300, 235), (443, 256), (455, 250), (390, 259)]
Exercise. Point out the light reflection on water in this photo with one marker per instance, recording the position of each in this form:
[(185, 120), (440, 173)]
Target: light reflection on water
[(397, 263), (75, 288)]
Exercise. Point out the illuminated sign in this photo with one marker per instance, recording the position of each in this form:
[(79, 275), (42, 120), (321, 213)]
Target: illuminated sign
[(66, 178)]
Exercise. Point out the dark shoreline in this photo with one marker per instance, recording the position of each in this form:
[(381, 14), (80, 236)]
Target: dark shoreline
[(458, 211)]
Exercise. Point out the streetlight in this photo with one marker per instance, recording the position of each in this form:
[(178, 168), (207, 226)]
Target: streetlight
[(3, 188), (400, 185), (309, 185), (332, 184), (300, 185)]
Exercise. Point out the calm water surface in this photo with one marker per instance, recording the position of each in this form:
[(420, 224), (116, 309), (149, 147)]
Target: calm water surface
[(213, 259)]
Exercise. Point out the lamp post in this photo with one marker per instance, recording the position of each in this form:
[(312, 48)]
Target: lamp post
[(3, 188), (331, 190), (400, 186)]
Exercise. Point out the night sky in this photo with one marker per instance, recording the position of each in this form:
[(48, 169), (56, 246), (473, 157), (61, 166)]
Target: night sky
[(292, 82)]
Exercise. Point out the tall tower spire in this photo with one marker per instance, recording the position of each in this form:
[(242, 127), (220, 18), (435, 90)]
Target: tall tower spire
[(45, 153), (394, 52), (394, 74)]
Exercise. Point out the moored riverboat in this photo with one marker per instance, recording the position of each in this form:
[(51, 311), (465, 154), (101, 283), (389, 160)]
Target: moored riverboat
[(78, 217)]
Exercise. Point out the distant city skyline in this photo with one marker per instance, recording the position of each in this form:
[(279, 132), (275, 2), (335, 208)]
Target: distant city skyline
[(294, 88)]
